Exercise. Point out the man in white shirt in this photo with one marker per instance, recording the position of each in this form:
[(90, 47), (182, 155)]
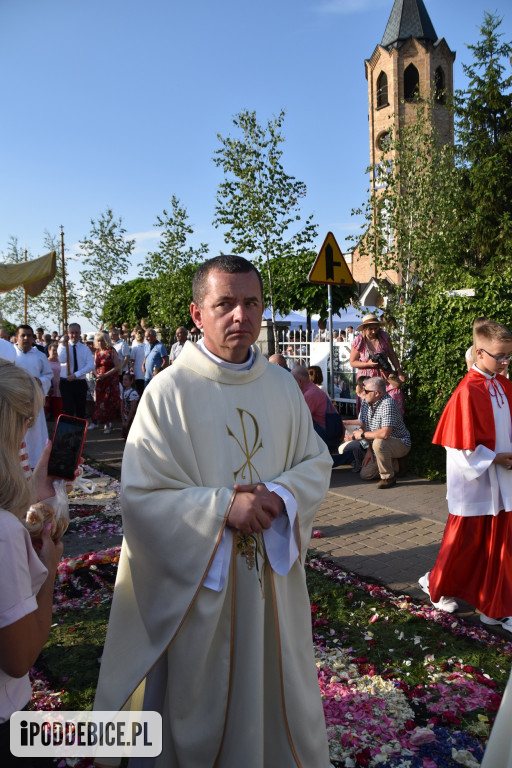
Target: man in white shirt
[(76, 361), (122, 349), (36, 363), (182, 336)]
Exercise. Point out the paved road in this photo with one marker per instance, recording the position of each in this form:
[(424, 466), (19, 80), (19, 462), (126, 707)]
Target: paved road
[(391, 536)]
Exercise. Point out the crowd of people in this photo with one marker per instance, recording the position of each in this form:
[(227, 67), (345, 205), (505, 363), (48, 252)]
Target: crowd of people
[(215, 572), (99, 376)]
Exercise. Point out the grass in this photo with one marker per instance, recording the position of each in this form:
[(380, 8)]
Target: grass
[(449, 675), (70, 659), (393, 639)]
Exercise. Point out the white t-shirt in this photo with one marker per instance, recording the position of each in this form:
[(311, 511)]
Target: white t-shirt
[(21, 576), (137, 354), (7, 351)]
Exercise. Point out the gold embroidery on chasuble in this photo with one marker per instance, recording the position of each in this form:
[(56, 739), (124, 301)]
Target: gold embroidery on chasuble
[(249, 442), (252, 548), (247, 437)]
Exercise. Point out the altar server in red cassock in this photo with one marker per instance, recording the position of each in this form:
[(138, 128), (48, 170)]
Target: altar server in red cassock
[(475, 559)]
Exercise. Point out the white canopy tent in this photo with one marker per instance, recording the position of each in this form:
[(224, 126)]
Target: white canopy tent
[(349, 316)]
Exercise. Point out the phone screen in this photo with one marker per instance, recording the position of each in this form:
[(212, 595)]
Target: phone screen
[(67, 446)]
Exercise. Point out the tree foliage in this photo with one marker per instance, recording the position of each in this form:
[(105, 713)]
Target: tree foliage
[(12, 302), (171, 268), (128, 302), (440, 325), (483, 114), (48, 306), (106, 256), (415, 225), (412, 223), (258, 202), (293, 291)]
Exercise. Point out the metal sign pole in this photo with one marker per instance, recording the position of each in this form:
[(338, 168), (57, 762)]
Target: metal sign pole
[(331, 341)]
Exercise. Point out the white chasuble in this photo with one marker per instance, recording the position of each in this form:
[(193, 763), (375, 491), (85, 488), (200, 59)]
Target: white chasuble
[(232, 671)]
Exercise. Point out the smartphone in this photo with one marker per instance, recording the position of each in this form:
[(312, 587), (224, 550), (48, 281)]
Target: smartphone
[(67, 443)]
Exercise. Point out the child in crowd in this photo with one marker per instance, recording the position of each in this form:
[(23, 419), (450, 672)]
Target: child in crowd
[(317, 377), (396, 383), (90, 398), (359, 393), (470, 355), (475, 559), (129, 403)]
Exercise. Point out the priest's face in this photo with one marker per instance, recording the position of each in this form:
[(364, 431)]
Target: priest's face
[(230, 315)]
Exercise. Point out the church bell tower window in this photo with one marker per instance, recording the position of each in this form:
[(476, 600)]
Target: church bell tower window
[(382, 90), (440, 86), (411, 83)]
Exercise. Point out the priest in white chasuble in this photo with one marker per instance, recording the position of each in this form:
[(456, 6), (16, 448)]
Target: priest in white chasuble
[(222, 476)]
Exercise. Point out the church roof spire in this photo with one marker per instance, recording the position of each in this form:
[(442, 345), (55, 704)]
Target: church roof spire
[(409, 18)]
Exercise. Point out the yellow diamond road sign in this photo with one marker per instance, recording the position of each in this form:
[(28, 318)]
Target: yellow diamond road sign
[(330, 266)]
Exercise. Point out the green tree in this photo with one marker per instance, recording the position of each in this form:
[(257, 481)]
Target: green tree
[(48, 306), (293, 291), (12, 302), (484, 130), (258, 202), (171, 268), (413, 225), (128, 302), (414, 228), (106, 256), (182, 298)]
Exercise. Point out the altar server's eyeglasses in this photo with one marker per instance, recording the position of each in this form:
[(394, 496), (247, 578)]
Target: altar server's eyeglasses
[(503, 359)]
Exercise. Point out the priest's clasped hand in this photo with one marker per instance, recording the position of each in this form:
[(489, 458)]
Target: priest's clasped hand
[(254, 508)]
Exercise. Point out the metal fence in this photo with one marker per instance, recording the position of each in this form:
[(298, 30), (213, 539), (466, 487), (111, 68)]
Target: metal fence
[(298, 351)]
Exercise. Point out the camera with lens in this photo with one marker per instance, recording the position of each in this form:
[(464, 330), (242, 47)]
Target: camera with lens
[(382, 361)]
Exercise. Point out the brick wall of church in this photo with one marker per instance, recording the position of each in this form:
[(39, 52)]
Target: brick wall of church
[(394, 62)]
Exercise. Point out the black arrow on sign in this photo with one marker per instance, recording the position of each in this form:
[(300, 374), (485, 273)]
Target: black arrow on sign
[(330, 263)]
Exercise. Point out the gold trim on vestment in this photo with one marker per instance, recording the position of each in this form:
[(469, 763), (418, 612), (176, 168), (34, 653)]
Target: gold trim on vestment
[(228, 510), (231, 649), (281, 676)]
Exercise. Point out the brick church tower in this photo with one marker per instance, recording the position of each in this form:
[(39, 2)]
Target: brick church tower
[(410, 61)]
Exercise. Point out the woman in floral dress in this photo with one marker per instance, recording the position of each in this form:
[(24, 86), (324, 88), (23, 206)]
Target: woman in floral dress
[(373, 341), (108, 368)]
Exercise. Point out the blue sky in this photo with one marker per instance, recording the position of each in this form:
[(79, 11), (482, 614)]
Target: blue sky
[(118, 103)]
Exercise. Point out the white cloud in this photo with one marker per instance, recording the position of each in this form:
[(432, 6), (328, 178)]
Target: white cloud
[(151, 234), (142, 239), (346, 7), (347, 226)]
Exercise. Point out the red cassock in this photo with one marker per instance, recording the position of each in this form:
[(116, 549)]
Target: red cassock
[(475, 559)]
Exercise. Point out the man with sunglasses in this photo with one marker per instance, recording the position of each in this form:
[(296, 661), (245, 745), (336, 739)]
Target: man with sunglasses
[(384, 429)]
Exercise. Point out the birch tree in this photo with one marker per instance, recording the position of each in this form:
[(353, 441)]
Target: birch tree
[(258, 203), (105, 254)]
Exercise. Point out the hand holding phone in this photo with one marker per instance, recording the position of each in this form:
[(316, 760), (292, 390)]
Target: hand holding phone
[(67, 443)]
